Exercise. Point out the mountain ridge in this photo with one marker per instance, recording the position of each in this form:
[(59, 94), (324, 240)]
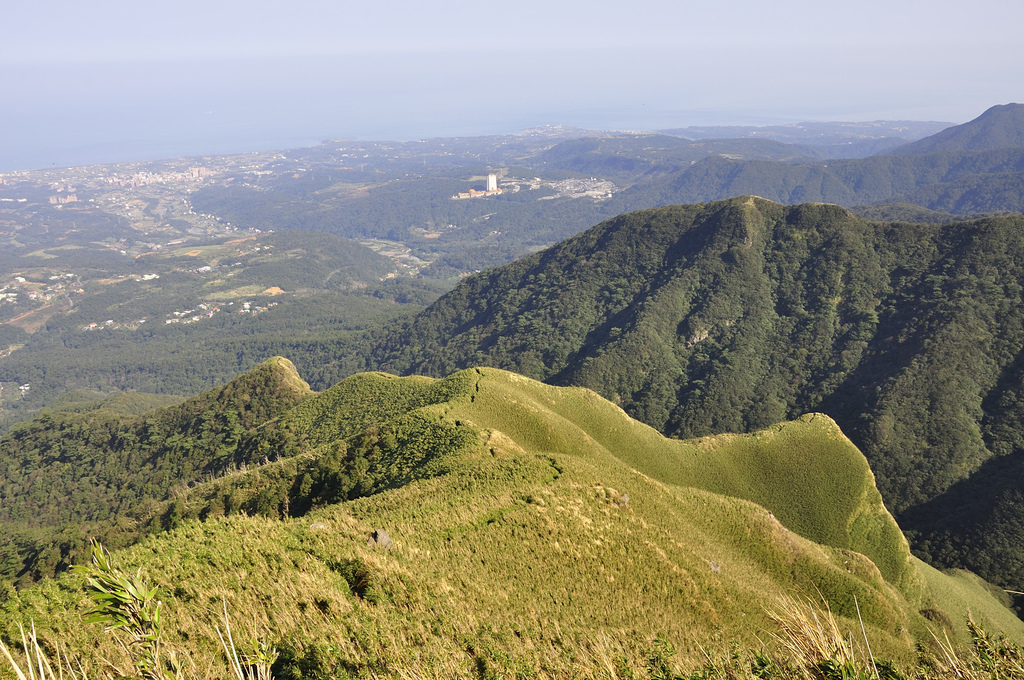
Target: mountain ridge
[(534, 521), (106, 469), (999, 127), (732, 315)]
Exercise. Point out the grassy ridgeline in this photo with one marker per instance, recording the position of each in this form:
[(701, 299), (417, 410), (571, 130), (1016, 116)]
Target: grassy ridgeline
[(545, 531), (805, 472), (737, 314)]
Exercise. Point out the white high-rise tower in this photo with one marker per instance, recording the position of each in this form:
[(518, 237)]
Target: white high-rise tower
[(492, 182)]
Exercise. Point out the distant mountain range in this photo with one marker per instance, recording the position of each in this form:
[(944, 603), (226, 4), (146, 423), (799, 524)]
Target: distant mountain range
[(400, 191), (832, 140), (1000, 127), (958, 182), (977, 167)]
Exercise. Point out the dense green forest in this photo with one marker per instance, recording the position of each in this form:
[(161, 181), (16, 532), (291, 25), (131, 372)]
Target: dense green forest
[(964, 182), (903, 212), (733, 315), (1000, 127), (66, 476)]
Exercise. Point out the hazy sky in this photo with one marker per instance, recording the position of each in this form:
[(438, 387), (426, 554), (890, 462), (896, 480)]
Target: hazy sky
[(103, 80)]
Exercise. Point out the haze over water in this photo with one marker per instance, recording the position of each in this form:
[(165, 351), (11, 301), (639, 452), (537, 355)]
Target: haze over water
[(117, 81)]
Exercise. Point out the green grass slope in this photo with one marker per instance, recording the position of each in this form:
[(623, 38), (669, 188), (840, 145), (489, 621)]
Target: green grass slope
[(545, 533), (734, 315), (806, 473)]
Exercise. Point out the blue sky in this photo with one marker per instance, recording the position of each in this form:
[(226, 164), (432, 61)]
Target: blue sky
[(104, 80)]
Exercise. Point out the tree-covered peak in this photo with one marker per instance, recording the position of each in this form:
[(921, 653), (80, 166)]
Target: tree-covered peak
[(999, 127)]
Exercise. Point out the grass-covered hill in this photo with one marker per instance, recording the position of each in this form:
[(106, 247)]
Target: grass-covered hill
[(734, 315), (538, 531)]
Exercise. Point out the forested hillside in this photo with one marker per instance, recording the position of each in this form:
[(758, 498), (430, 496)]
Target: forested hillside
[(962, 182), (829, 139), (999, 127), (68, 476), (733, 315)]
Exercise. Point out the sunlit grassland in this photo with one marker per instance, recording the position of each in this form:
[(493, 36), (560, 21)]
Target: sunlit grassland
[(805, 472), (553, 536)]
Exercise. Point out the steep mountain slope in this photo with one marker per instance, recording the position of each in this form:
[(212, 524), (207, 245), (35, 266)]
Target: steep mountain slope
[(973, 194), (977, 521), (1000, 127), (547, 533), (734, 315)]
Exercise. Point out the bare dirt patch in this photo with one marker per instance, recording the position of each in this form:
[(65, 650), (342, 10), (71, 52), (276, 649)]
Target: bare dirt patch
[(30, 322)]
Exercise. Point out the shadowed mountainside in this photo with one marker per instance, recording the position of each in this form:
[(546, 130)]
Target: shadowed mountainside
[(1000, 127)]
